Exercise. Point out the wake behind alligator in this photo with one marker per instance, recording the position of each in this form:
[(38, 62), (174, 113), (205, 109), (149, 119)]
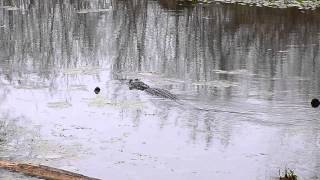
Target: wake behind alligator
[(162, 93)]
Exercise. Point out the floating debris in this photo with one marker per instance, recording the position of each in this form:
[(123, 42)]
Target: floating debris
[(315, 103), (97, 90)]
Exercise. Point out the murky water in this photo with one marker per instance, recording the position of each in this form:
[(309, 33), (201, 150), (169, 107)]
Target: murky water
[(255, 70)]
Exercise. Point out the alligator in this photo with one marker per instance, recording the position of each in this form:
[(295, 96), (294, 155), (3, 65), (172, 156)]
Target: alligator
[(139, 85)]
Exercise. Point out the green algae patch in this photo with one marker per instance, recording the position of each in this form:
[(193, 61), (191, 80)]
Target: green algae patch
[(31, 86), (59, 104), (129, 104), (233, 72), (79, 87), (85, 11), (72, 71), (82, 71), (100, 101), (216, 83), (10, 8)]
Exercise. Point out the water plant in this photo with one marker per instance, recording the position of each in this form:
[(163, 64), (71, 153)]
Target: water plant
[(288, 175), (301, 4)]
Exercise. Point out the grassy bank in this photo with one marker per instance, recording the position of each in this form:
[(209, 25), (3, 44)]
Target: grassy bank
[(301, 4)]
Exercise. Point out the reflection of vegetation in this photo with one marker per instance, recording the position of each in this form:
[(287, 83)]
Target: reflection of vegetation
[(15, 141), (207, 41), (7, 131), (207, 46), (210, 49), (2, 131), (21, 140), (43, 37)]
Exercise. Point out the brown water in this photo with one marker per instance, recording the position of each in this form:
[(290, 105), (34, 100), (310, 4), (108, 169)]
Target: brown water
[(255, 69)]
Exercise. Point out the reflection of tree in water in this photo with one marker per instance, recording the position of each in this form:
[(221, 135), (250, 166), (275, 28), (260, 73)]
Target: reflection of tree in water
[(47, 36), (22, 141), (274, 48), (43, 36), (201, 126), (223, 37), (16, 141), (130, 20)]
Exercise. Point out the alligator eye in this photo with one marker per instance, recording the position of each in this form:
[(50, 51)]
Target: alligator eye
[(136, 79), (97, 90)]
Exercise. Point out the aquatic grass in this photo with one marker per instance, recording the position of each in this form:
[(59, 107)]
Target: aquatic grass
[(301, 4), (288, 175)]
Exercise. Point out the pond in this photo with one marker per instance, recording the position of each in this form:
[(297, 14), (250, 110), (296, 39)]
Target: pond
[(244, 77)]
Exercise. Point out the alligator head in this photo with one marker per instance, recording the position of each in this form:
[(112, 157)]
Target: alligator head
[(137, 84)]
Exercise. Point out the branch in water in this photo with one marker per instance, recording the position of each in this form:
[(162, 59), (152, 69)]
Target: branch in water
[(43, 172)]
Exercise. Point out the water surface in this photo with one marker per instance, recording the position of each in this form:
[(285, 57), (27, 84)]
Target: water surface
[(255, 69)]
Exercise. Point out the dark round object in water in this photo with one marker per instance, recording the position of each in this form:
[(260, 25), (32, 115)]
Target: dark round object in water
[(97, 90), (315, 103)]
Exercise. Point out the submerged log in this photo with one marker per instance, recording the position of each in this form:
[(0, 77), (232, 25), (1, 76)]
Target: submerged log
[(44, 172)]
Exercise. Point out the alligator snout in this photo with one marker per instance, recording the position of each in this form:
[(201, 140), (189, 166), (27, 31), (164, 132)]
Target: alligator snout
[(137, 84)]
